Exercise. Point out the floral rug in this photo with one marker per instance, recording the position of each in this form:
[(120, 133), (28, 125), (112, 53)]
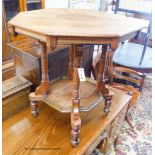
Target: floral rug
[(139, 143)]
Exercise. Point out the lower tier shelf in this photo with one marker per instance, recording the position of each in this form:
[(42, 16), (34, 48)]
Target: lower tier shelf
[(60, 95)]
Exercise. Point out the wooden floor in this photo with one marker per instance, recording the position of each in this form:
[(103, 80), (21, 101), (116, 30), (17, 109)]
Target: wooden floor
[(49, 134), (129, 55)]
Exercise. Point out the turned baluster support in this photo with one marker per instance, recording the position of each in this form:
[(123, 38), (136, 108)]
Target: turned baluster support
[(75, 116), (43, 88), (39, 93), (100, 82), (71, 58)]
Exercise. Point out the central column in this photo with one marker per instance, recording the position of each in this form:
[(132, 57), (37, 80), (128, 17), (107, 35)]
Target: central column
[(41, 90)]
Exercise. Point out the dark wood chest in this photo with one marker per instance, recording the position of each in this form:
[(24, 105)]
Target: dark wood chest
[(15, 96), (28, 61)]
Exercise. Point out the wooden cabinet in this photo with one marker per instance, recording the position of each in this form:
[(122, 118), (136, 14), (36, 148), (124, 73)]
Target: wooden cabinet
[(6, 51), (27, 5), (28, 60), (15, 96), (28, 64), (11, 8)]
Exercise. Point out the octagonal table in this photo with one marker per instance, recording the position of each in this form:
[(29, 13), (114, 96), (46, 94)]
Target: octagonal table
[(74, 27)]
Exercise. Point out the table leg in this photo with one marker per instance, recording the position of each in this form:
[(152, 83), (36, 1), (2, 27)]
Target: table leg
[(109, 65), (71, 58), (75, 116), (100, 81), (43, 88), (34, 108)]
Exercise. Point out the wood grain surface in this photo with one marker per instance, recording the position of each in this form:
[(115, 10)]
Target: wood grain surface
[(49, 134), (15, 96), (76, 23), (60, 96), (8, 70)]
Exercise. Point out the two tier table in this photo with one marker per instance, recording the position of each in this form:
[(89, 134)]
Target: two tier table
[(75, 27)]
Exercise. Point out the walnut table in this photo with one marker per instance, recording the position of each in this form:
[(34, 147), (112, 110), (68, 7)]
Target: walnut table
[(74, 27)]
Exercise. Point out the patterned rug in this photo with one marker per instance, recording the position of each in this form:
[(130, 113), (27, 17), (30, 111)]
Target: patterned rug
[(130, 143)]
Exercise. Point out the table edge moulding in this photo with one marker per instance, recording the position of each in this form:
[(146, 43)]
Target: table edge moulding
[(50, 42)]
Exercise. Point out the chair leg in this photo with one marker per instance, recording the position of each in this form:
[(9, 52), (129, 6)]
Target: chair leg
[(129, 121), (144, 50), (115, 142)]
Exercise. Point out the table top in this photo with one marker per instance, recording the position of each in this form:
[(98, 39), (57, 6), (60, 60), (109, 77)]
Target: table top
[(76, 23)]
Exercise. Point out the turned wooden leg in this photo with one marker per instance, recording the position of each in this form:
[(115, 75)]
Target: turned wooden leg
[(39, 93), (34, 108), (43, 88), (75, 116), (100, 81), (75, 132), (108, 102), (71, 58), (109, 66)]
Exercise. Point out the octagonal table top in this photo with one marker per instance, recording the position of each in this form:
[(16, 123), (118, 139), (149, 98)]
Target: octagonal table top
[(75, 23)]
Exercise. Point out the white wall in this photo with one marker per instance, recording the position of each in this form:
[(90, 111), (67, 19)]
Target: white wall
[(56, 3), (82, 4), (137, 5)]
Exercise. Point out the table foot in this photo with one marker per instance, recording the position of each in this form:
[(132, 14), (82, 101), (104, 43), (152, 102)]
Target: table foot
[(107, 95), (108, 102), (34, 108), (34, 103), (75, 133)]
